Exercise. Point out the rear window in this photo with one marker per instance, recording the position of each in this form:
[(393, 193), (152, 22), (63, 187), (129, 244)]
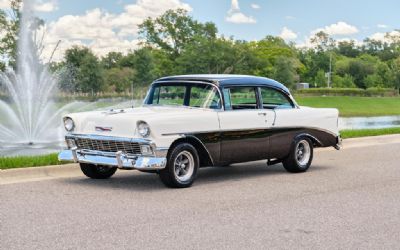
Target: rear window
[(240, 98)]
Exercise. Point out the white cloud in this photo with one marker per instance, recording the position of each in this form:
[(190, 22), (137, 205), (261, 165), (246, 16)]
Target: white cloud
[(49, 6), (339, 28), (236, 16), (39, 5), (255, 6), (287, 34), (4, 4), (240, 18), (388, 37), (290, 17), (103, 31), (382, 26)]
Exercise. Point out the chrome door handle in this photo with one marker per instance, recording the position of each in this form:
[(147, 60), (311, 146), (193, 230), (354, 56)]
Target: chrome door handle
[(263, 114)]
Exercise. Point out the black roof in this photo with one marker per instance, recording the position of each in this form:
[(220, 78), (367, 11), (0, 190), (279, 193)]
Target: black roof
[(225, 80)]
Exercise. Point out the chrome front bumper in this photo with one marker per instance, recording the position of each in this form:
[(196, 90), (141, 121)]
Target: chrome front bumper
[(156, 160), (119, 160)]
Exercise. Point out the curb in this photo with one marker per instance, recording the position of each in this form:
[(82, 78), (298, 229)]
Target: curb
[(18, 175)]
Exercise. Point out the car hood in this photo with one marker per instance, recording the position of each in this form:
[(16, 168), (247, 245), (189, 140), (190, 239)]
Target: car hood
[(122, 123)]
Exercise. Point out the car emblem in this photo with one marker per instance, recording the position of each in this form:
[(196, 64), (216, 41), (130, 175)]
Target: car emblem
[(103, 129)]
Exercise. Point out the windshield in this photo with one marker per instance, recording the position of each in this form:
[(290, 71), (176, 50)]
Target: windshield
[(192, 95)]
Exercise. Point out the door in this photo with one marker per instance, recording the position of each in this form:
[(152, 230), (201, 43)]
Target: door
[(280, 137), (244, 126)]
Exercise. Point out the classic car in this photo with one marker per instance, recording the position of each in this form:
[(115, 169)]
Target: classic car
[(192, 121)]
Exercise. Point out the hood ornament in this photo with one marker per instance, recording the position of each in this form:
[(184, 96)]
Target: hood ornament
[(103, 129), (113, 111)]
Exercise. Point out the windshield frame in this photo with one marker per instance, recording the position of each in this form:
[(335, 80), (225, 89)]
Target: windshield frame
[(151, 92)]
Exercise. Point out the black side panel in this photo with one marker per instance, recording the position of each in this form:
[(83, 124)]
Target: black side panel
[(211, 141), (281, 139), (250, 145), (245, 145)]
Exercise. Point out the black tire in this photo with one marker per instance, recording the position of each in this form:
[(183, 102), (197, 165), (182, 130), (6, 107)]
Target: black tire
[(294, 163), (169, 175), (97, 172)]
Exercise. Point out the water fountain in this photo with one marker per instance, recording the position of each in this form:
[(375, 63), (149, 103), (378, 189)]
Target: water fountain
[(29, 118)]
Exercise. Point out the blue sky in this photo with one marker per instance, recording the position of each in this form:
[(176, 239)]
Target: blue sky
[(301, 17), (111, 24)]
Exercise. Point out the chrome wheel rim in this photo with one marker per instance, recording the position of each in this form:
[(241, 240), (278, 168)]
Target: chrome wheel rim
[(303, 153), (184, 166)]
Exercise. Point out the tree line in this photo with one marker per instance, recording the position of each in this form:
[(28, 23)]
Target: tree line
[(175, 43)]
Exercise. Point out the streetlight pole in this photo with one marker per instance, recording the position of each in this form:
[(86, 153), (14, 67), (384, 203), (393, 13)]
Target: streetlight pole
[(330, 70)]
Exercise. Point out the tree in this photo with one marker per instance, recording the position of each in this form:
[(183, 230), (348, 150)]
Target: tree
[(267, 51), (174, 30), (348, 48), (322, 41), (9, 28), (112, 60), (208, 57), (84, 69), (285, 71), (144, 66), (119, 79)]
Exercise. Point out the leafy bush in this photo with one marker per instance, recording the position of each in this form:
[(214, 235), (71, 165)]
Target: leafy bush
[(382, 92)]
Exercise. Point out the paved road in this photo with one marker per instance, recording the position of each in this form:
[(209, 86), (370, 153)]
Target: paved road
[(349, 199)]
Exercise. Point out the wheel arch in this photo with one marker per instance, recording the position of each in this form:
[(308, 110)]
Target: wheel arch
[(316, 142), (204, 155)]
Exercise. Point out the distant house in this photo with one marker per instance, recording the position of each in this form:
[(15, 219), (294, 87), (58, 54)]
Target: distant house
[(302, 85)]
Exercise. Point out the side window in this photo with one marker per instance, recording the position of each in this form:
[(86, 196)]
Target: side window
[(169, 95), (241, 98), (204, 96), (272, 99)]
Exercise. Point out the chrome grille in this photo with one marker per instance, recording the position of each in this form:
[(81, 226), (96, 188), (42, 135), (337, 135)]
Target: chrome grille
[(108, 145)]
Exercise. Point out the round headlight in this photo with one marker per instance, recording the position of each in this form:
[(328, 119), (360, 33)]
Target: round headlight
[(69, 124), (143, 129)]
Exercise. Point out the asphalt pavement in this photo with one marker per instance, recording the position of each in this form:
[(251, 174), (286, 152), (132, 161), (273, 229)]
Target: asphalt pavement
[(348, 199)]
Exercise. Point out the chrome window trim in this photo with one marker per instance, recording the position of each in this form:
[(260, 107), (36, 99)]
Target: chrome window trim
[(183, 81)]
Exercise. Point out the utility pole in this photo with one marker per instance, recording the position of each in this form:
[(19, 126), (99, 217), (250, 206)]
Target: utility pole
[(330, 70)]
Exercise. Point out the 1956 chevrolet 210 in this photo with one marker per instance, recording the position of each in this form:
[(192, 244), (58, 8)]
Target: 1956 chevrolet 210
[(191, 121)]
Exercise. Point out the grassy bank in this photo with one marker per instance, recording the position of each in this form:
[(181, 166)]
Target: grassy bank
[(29, 161), (354, 106), (368, 132)]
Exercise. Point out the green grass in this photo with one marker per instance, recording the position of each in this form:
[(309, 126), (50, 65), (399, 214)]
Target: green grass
[(368, 132), (29, 161), (354, 106)]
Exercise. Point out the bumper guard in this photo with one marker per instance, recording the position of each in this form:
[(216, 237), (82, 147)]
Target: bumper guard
[(120, 160)]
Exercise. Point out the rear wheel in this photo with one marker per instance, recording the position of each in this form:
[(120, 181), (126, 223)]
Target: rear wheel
[(182, 166), (97, 171), (300, 157)]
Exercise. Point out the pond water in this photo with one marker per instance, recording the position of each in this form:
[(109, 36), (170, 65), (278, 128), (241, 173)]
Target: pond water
[(369, 122)]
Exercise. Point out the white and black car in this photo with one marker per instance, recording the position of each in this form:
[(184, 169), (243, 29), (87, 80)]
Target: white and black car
[(193, 121)]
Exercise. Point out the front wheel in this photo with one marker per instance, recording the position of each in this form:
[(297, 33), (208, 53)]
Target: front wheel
[(300, 156), (97, 172), (182, 166)]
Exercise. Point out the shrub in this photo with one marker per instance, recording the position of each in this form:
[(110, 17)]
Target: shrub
[(371, 92)]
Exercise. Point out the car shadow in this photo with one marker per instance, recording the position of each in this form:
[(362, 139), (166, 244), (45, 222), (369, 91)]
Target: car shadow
[(135, 180)]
